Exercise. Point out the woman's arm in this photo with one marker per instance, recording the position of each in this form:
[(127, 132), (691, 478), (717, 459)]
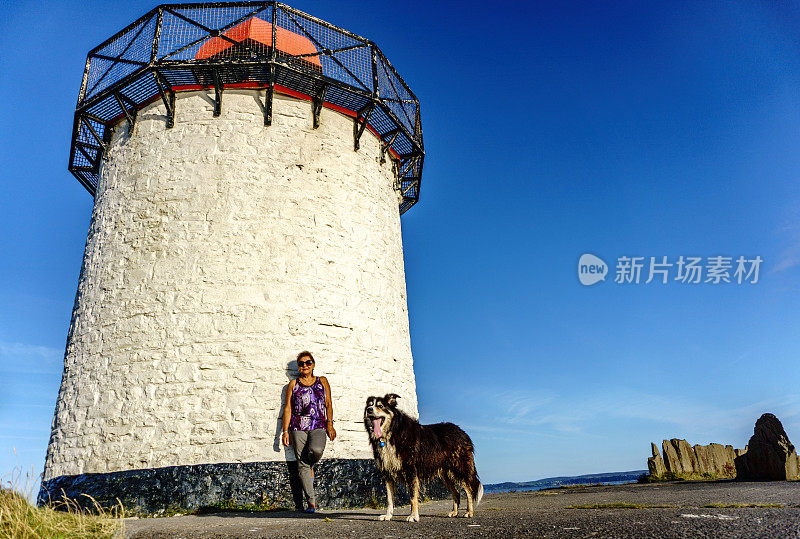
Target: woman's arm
[(328, 408), (287, 414)]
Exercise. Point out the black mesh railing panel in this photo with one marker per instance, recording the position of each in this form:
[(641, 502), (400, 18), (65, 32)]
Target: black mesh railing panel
[(403, 145), (114, 74), (329, 43), (220, 18), (191, 46), (395, 96), (98, 67), (183, 30), (380, 121), (345, 99), (359, 61), (121, 57), (83, 155), (324, 35), (141, 47), (141, 89), (179, 39), (106, 109), (125, 40)]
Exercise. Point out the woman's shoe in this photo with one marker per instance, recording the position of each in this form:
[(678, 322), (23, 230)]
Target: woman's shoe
[(310, 509)]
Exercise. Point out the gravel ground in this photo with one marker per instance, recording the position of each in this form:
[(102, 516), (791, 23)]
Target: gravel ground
[(546, 514)]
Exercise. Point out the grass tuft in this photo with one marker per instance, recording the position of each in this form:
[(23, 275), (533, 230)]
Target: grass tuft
[(20, 519), (373, 502), (673, 476)]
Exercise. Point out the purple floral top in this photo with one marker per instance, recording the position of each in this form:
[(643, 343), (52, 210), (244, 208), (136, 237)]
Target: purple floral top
[(308, 406)]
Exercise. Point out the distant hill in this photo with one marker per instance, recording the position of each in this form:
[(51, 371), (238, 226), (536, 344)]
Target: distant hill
[(550, 482)]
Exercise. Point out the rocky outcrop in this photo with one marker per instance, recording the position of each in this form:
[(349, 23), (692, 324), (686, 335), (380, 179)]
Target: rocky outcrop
[(688, 459), (770, 455), (684, 460), (715, 459), (671, 459), (655, 464)]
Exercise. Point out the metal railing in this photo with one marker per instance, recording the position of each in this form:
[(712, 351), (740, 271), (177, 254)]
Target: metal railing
[(265, 45)]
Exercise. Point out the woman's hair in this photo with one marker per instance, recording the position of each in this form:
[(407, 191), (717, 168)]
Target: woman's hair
[(305, 353)]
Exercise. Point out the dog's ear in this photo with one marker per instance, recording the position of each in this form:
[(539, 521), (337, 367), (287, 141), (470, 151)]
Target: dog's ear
[(391, 399)]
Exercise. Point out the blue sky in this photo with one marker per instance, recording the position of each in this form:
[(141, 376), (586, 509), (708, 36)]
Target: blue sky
[(619, 129)]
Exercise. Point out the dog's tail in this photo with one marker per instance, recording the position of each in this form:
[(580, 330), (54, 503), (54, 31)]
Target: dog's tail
[(477, 490)]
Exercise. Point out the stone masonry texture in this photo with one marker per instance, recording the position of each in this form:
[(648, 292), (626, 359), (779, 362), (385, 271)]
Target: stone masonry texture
[(218, 250), (338, 483)]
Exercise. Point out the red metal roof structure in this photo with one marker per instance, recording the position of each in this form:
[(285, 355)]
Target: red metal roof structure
[(255, 31)]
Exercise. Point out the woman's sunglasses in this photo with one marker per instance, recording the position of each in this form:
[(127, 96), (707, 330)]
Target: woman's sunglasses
[(304, 363)]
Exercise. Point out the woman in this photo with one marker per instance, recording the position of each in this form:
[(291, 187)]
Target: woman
[(307, 417)]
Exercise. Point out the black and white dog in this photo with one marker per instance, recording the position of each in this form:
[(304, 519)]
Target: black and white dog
[(408, 452)]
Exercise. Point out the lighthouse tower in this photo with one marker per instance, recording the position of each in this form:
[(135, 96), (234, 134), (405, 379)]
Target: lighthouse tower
[(249, 165)]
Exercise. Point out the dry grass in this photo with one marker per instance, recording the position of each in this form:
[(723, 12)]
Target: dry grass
[(673, 476), (374, 503), (20, 519)]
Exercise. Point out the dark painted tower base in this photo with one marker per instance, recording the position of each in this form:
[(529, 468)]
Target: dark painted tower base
[(339, 483)]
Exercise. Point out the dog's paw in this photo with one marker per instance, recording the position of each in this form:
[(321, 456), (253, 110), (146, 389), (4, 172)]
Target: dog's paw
[(413, 518), (385, 517), (468, 515), (453, 513)]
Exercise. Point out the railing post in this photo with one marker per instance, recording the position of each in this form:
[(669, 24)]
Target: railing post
[(375, 89), (85, 81), (156, 35), (271, 70)]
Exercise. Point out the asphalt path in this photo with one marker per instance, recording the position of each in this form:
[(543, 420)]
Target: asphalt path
[(550, 513)]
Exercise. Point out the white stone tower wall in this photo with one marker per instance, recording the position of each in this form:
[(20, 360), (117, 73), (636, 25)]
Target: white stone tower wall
[(218, 250)]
